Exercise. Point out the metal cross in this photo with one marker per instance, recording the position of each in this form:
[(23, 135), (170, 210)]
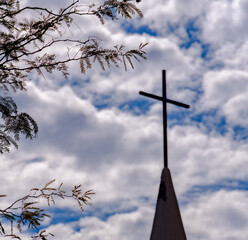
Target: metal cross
[(164, 100)]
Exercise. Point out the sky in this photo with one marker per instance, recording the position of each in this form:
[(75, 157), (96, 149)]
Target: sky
[(97, 130)]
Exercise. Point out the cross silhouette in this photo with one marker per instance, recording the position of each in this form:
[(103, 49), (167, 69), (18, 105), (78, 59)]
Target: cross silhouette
[(164, 99)]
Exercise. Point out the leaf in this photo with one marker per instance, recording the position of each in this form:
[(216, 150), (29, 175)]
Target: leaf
[(49, 183), (25, 205), (100, 61), (89, 192), (82, 65), (130, 61), (60, 186), (142, 45), (88, 62), (19, 226), (125, 65)]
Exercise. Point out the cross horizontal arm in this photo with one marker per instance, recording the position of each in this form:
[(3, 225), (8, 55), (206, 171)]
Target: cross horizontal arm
[(177, 103), (167, 100), (151, 95)]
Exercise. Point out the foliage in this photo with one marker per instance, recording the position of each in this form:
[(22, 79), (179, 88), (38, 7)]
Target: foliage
[(27, 36), (25, 211), (14, 122)]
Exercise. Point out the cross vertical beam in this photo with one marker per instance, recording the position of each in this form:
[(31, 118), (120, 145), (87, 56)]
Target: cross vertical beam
[(164, 118), (164, 99)]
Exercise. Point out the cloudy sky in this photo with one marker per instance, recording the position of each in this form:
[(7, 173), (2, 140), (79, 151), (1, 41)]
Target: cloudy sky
[(96, 129)]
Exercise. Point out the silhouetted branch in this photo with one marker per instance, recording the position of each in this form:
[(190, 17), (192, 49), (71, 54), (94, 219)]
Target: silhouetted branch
[(25, 210), (25, 42)]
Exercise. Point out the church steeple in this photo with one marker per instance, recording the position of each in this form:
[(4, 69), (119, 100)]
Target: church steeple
[(167, 224)]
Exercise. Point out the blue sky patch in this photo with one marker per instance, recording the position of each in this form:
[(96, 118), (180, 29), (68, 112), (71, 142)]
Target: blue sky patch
[(192, 33), (205, 50), (105, 216), (131, 29), (64, 215), (137, 107), (240, 133), (229, 185), (193, 37), (102, 102), (213, 122)]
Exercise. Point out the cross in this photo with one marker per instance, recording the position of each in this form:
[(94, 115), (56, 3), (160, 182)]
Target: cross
[(164, 99)]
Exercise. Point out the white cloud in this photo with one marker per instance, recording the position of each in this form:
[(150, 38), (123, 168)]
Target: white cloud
[(225, 20), (118, 153), (115, 153), (236, 110), (218, 215), (207, 217), (225, 91), (202, 159), (131, 226)]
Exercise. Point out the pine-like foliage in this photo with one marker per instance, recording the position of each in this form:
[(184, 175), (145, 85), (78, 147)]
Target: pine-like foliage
[(113, 8), (15, 123)]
